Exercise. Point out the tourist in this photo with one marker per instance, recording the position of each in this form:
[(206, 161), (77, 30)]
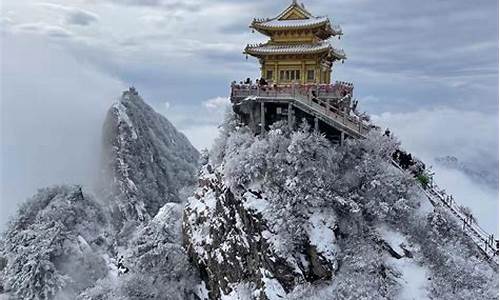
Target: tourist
[(354, 105)]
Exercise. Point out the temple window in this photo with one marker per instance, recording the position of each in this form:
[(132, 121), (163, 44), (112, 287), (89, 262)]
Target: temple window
[(269, 75), (310, 75)]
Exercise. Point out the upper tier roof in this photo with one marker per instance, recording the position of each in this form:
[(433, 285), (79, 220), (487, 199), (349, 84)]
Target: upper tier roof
[(270, 49), (296, 17)]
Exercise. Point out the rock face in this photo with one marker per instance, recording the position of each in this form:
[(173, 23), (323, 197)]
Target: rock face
[(290, 216), (146, 160), (235, 249)]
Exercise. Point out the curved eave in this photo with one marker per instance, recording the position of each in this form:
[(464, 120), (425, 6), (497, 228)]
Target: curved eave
[(337, 54), (254, 51), (323, 29), (262, 26)]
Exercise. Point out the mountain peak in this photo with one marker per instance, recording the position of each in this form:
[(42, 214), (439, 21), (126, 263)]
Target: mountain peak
[(147, 160)]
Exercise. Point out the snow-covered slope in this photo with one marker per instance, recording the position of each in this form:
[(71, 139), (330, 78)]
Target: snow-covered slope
[(290, 216), (64, 245), (53, 247), (146, 160)]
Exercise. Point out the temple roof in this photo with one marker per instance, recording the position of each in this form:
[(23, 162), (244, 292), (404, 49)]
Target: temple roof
[(295, 17), (297, 23), (270, 49)]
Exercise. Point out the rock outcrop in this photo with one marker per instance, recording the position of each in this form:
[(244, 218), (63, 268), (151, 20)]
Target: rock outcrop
[(146, 160)]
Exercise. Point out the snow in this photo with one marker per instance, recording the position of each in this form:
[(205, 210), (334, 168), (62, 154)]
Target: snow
[(321, 235), (413, 278), (202, 291), (112, 269), (240, 291), (255, 203), (167, 213), (393, 238), (272, 288), (123, 117)]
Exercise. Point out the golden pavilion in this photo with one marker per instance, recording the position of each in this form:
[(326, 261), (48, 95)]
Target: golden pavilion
[(297, 50), (296, 67)]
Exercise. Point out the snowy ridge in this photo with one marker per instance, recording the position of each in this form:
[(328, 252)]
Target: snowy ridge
[(147, 161)]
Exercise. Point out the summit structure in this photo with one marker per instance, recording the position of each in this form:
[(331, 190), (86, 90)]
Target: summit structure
[(295, 84), (298, 50)]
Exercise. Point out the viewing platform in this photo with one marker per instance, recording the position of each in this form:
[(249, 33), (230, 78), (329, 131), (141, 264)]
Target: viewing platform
[(327, 107)]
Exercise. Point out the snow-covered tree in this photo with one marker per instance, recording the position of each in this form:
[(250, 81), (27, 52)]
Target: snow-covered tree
[(49, 244)]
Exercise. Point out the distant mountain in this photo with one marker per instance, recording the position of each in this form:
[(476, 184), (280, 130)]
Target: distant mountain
[(147, 161), (123, 243), (487, 177)]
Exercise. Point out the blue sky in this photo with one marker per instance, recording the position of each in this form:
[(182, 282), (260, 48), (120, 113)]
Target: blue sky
[(428, 69)]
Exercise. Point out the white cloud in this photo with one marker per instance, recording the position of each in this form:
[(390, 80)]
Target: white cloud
[(469, 135), (45, 29), (53, 108), (73, 15), (216, 103), (202, 136)]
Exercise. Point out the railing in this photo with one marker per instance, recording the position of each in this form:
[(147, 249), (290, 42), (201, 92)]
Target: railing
[(316, 97), (485, 241), (322, 91)]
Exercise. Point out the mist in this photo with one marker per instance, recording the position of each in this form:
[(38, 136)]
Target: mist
[(468, 135), (53, 107)]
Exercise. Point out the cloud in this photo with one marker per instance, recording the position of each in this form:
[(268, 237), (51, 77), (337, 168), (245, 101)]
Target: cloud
[(45, 29), (53, 108), (171, 5), (216, 103), (468, 135), (73, 15)]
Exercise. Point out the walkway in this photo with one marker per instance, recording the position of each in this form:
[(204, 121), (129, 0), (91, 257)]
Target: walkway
[(485, 241)]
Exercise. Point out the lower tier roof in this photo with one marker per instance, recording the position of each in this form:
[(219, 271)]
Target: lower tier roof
[(308, 48)]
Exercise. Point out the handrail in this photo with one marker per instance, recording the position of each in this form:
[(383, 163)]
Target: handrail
[(473, 230), (340, 91)]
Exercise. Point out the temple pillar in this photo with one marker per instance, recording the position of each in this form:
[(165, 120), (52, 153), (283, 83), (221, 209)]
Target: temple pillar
[(276, 78), (303, 73), (262, 118), (290, 116), (342, 137), (316, 124)]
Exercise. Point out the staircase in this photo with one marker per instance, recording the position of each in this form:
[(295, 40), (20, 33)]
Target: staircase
[(478, 235)]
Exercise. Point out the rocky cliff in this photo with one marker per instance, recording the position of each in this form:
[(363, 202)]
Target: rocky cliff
[(146, 160), (288, 215)]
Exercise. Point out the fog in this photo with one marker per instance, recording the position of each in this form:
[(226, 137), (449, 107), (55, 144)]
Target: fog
[(468, 135), (52, 111)]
